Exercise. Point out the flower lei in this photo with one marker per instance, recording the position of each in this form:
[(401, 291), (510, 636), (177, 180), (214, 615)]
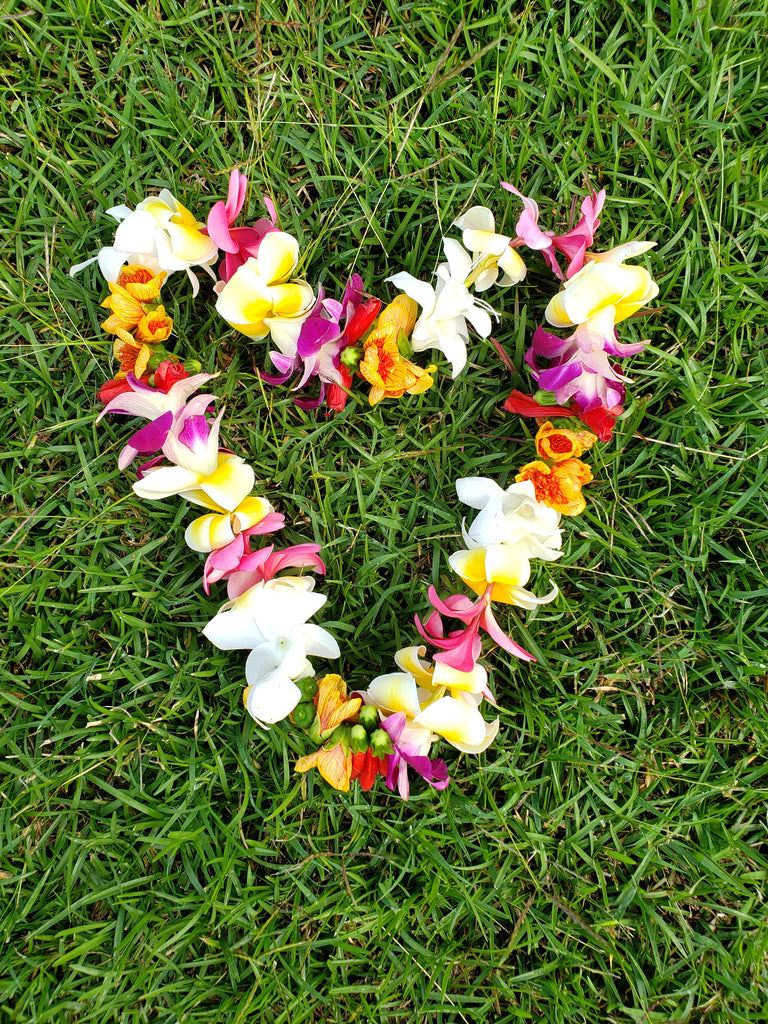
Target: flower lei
[(389, 727)]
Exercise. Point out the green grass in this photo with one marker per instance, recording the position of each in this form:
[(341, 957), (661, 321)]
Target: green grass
[(607, 859)]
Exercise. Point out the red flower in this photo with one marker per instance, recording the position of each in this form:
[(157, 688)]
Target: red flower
[(167, 373), (337, 396), (366, 767), (113, 388)]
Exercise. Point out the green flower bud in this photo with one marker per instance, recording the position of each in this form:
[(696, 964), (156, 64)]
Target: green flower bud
[(158, 355), (308, 687), (315, 733), (368, 717), (404, 346), (192, 366), (381, 744), (341, 734), (303, 715), (351, 356), (358, 739)]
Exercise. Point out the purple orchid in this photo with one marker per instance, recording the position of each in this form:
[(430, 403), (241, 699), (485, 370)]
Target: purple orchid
[(411, 751), (320, 343), (239, 244), (162, 409)]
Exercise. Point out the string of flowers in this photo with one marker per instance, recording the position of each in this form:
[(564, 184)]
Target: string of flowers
[(390, 727)]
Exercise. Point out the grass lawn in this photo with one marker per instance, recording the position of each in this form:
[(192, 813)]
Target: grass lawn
[(607, 859)]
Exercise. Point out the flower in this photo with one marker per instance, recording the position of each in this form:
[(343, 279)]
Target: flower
[(579, 370), (160, 234), (559, 486), (270, 620), (260, 298), (490, 252), (601, 295), (411, 751), (239, 244), (600, 420), (447, 308), (559, 444), (388, 373), (333, 708), (573, 244), (161, 407)]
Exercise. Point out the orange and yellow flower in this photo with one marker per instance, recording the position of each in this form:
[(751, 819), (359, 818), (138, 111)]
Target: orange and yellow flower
[(133, 303), (558, 444), (154, 328), (386, 370), (132, 355), (333, 708), (558, 486)]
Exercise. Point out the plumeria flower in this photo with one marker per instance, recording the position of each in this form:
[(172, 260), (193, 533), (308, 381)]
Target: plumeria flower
[(512, 528), (270, 620), (573, 244), (159, 234), (491, 252), (454, 717), (600, 294), (260, 298), (238, 244), (160, 407), (447, 308)]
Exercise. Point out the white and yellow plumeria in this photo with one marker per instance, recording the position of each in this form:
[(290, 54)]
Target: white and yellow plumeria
[(216, 530), (604, 289), (436, 700), (491, 252), (160, 234), (511, 529), (261, 299)]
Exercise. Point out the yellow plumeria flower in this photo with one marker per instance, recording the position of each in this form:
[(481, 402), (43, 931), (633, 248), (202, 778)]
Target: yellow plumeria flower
[(491, 252), (601, 288), (216, 530), (260, 298)]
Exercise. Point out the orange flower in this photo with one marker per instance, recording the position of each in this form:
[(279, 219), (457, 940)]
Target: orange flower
[(559, 444), (132, 355), (333, 708), (388, 373), (132, 298), (141, 283), (558, 486), (154, 327)]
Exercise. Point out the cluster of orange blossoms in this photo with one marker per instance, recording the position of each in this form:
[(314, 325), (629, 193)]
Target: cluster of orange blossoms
[(559, 474), (138, 320)]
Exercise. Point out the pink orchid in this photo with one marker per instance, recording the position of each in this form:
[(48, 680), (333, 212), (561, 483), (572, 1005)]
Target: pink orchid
[(461, 648), (239, 244), (573, 244)]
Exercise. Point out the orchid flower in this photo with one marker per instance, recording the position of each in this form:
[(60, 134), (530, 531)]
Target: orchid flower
[(491, 252), (238, 244), (447, 308), (200, 472), (511, 517), (160, 407), (260, 298), (159, 234), (411, 750)]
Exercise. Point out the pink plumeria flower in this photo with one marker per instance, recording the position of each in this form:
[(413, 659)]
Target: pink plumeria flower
[(238, 244)]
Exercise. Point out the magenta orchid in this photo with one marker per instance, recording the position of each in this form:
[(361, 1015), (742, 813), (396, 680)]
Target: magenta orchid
[(238, 244), (411, 750)]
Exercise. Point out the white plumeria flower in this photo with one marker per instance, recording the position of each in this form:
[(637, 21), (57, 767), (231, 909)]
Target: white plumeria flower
[(270, 619), (159, 234), (447, 308), (490, 252)]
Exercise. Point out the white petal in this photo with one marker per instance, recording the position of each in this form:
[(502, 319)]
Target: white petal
[(459, 260), (419, 291), (137, 233), (320, 642), (272, 699), (80, 266), (395, 692), (477, 218), (233, 630)]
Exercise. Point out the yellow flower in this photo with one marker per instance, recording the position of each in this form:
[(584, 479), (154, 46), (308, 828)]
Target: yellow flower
[(388, 373)]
